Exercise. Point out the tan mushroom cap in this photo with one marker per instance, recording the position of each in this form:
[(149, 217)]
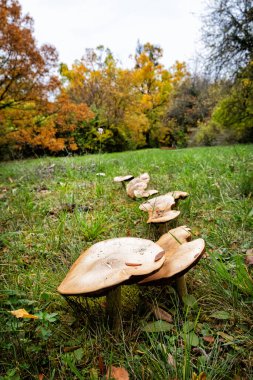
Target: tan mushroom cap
[(123, 178), (159, 209), (178, 261), (178, 194), (174, 238), (144, 193), (138, 183), (111, 262), (162, 216), (162, 202)]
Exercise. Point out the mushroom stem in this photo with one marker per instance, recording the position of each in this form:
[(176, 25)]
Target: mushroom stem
[(162, 229), (113, 308), (181, 287)]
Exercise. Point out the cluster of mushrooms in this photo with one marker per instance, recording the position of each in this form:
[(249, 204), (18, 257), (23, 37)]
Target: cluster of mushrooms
[(105, 266)]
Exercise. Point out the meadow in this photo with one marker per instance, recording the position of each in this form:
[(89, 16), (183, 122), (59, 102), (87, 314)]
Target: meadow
[(53, 208)]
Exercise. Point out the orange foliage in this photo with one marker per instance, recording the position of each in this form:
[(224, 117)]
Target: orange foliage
[(25, 70)]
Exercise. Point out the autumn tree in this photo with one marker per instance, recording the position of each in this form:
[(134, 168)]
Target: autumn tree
[(155, 85), (36, 114), (26, 71), (98, 81)]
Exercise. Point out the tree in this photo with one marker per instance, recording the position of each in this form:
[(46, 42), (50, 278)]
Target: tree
[(154, 86), (26, 71), (228, 35), (235, 112), (106, 88), (50, 129)]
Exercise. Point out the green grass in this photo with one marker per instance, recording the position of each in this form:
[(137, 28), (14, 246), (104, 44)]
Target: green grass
[(53, 208)]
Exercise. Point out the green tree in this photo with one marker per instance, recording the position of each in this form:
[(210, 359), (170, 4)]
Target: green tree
[(234, 113)]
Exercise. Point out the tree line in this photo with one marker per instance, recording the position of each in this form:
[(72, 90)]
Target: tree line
[(50, 108)]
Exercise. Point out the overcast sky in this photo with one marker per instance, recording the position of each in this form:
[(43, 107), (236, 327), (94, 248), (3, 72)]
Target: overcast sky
[(74, 25)]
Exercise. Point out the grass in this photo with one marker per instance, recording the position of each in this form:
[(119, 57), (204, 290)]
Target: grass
[(53, 208)]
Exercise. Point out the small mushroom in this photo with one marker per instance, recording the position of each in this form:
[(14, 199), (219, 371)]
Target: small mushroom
[(180, 256), (138, 183), (178, 194), (144, 193), (123, 179), (136, 188), (160, 211), (105, 265)]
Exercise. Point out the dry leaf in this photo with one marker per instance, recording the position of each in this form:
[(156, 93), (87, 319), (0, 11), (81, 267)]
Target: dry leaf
[(117, 373), (162, 314), (101, 365), (71, 349), (209, 339), (22, 313), (41, 376)]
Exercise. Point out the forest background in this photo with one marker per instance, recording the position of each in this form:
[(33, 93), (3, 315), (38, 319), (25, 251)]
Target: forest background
[(47, 107)]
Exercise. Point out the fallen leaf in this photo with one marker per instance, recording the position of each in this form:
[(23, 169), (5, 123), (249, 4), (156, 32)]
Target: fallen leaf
[(117, 373), (22, 313), (209, 339), (162, 314), (41, 376), (101, 365), (70, 349)]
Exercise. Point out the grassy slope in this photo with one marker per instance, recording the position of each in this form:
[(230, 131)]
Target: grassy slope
[(41, 238)]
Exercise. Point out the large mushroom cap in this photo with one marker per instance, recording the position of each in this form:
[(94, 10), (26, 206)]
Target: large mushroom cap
[(178, 261), (111, 262)]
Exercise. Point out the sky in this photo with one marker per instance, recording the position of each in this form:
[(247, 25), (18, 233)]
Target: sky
[(74, 25)]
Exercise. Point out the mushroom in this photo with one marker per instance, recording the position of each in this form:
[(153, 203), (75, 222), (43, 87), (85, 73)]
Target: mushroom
[(101, 268), (136, 188), (123, 179), (180, 256), (160, 211), (144, 193), (178, 194)]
